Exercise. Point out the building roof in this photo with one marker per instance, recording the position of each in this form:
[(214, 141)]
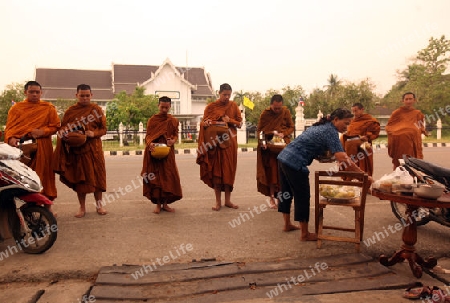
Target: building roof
[(380, 110), (61, 83), (126, 77)]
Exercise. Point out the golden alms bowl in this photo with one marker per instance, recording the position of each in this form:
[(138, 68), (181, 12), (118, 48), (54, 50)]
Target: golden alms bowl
[(160, 151)]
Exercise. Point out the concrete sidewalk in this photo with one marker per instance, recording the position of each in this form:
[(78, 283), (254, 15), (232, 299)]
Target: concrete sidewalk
[(132, 235)]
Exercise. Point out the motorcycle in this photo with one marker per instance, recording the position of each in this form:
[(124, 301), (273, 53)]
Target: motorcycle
[(33, 227), (425, 172)]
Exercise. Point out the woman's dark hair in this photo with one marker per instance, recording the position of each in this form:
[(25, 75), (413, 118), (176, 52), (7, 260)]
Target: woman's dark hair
[(340, 113)]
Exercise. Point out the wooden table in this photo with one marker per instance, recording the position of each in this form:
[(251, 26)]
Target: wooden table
[(409, 236)]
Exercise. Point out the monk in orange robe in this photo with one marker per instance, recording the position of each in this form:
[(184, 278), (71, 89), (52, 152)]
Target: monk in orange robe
[(82, 167), (405, 128), (357, 141), (37, 120), (161, 178), (217, 145), (275, 121)]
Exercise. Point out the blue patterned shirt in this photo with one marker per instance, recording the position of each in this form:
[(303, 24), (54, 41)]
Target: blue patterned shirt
[(314, 141)]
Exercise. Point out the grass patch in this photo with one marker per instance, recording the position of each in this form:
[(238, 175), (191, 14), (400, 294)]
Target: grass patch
[(114, 145)]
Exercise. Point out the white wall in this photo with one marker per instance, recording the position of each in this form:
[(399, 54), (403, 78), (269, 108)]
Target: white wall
[(169, 80)]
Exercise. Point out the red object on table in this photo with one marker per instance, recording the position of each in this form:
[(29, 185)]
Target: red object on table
[(409, 236)]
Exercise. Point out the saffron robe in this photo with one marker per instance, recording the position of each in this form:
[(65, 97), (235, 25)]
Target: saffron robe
[(365, 125), (266, 161), (404, 129), (218, 164), (25, 116), (82, 168), (161, 177)]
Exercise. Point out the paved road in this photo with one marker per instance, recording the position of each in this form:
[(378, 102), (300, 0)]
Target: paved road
[(132, 234)]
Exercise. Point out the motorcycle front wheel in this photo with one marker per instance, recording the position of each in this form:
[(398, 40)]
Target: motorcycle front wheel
[(42, 233), (399, 210)]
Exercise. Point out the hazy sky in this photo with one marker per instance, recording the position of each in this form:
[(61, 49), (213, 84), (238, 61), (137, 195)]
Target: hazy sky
[(253, 45)]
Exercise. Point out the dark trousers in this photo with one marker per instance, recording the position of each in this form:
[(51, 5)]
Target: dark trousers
[(294, 184)]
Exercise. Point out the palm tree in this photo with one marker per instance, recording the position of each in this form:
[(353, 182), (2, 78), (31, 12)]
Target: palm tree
[(333, 85), (239, 97)]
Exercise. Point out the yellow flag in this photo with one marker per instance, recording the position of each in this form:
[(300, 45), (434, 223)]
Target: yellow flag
[(248, 103)]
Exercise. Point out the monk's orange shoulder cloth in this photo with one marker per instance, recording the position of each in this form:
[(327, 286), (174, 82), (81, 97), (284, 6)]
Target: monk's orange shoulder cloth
[(282, 122), (161, 125), (25, 116), (404, 130), (365, 125), (403, 119)]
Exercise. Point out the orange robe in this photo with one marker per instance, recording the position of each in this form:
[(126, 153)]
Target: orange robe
[(25, 116), (368, 126), (82, 168), (218, 164), (404, 129), (266, 161), (161, 177)]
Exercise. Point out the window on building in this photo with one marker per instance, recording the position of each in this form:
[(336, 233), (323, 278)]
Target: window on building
[(175, 107)]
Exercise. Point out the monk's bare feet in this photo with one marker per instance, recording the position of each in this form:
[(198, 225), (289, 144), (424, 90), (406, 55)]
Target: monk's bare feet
[(81, 213), (168, 209), (231, 205), (157, 209), (309, 237), (290, 227), (217, 207), (101, 211)]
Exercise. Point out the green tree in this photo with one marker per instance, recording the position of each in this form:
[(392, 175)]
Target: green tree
[(352, 93), (131, 109), (425, 77), (13, 93), (261, 102), (344, 95), (62, 105), (291, 97), (239, 97), (317, 101), (333, 85)]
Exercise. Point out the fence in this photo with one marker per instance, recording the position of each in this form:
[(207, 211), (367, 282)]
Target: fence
[(121, 137)]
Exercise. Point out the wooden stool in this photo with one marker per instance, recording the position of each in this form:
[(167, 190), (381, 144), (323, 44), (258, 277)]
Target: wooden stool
[(358, 204)]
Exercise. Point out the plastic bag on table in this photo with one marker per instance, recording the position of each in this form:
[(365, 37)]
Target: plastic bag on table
[(399, 176)]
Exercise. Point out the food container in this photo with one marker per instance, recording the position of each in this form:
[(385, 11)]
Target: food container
[(404, 189), (276, 147), (160, 151), (339, 192), (429, 191)]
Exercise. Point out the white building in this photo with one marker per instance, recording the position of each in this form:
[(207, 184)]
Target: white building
[(188, 87)]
